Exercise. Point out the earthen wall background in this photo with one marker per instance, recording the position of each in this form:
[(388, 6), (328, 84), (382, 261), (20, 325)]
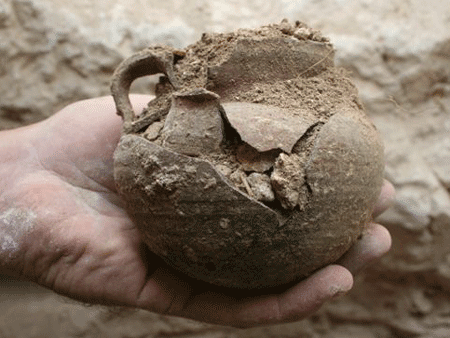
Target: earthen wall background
[(55, 52)]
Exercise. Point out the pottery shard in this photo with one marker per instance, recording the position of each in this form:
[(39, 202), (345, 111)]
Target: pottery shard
[(267, 61), (194, 125), (266, 127), (252, 160), (174, 204)]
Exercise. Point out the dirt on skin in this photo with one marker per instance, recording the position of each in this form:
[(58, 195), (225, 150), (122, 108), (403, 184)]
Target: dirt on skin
[(256, 130)]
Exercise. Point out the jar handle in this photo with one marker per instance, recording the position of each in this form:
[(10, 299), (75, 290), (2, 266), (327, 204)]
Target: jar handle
[(146, 62)]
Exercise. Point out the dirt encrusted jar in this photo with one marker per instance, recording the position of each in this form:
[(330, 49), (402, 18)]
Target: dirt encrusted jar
[(255, 164)]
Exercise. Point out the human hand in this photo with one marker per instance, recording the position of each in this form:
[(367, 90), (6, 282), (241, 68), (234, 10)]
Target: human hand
[(62, 225)]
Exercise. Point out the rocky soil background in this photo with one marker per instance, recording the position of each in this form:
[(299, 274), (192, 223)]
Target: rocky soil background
[(54, 53)]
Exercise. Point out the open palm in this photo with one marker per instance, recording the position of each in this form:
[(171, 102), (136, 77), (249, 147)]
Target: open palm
[(74, 236)]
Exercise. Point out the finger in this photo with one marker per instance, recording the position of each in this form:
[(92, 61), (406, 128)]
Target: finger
[(375, 242), (308, 296), (94, 127), (165, 292), (140, 102), (386, 198), (294, 304)]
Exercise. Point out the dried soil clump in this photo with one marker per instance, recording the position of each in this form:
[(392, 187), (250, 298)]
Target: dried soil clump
[(255, 163)]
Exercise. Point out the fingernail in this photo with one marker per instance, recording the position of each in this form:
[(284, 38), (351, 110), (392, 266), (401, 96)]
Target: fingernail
[(385, 200), (339, 291)]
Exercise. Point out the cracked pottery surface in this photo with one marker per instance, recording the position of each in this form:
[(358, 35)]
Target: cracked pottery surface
[(323, 165)]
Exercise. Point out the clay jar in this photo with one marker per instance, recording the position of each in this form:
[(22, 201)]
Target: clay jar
[(255, 164)]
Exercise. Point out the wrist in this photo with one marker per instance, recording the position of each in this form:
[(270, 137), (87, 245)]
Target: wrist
[(16, 221)]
